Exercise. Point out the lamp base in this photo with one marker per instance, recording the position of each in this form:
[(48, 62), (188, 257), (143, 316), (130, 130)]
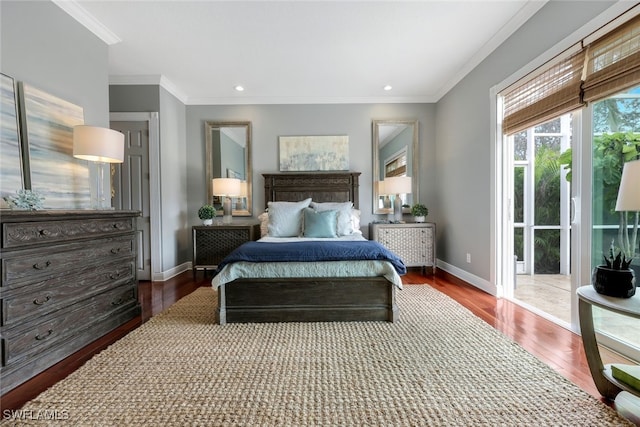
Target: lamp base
[(227, 212), (397, 208), (99, 202)]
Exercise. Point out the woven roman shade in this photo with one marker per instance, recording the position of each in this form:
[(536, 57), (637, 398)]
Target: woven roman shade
[(613, 62), (553, 91)]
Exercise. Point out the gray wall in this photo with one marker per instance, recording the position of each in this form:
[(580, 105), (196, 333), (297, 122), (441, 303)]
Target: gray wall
[(43, 46), (463, 135), (176, 249), (271, 121)]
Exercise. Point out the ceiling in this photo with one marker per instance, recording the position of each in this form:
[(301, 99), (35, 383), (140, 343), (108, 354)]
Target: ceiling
[(298, 52)]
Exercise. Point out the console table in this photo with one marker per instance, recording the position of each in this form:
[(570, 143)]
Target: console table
[(607, 385)]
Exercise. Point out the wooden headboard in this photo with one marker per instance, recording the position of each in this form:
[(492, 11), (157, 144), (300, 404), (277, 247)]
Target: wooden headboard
[(320, 186)]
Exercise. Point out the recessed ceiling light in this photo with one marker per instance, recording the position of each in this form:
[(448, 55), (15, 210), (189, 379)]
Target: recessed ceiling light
[(239, 88), (388, 87)]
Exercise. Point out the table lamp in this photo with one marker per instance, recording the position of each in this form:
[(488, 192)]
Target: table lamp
[(227, 188), (629, 195), (101, 146), (397, 185), (629, 191)]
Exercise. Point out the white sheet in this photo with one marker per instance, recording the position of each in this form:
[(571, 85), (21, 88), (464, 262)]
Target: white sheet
[(363, 268)]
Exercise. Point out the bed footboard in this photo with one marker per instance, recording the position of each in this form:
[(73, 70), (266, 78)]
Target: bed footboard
[(307, 300)]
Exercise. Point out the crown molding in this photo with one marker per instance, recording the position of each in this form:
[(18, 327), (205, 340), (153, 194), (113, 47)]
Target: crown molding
[(81, 15), (149, 79), (310, 100), (523, 15)]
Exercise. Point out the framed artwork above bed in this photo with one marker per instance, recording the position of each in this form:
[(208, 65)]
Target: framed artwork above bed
[(314, 153)]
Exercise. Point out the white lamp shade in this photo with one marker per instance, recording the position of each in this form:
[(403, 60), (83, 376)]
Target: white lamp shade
[(380, 187), (397, 185), (243, 189), (629, 191), (98, 144), (226, 187)]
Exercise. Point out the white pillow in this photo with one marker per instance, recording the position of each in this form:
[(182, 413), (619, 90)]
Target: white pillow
[(355, 221), (285, 218), (345, 225), (264, 223)]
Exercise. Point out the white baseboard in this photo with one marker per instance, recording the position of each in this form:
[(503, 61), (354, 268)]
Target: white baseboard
[(166, 275), (473, 280)]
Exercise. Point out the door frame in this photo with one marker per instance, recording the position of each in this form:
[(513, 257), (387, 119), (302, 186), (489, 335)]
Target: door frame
[(155, 214)]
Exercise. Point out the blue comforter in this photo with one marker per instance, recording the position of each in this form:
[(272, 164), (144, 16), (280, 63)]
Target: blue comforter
[(312, 251)]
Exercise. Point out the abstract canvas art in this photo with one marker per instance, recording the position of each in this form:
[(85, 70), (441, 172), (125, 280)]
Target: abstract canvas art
[(11, 176), (314, 153), (62, 179)]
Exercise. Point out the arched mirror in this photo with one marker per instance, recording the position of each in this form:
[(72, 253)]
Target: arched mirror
[(395, 153), (228, 155)]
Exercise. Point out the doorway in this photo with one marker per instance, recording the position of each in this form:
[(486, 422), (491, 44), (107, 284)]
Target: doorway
[(540, 227), (136, 184)]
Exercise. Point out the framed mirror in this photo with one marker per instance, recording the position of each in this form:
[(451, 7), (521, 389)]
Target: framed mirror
[(228, 155), (395, 152)]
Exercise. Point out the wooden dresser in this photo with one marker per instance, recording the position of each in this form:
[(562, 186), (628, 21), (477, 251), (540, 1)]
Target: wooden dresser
[(68, 277)]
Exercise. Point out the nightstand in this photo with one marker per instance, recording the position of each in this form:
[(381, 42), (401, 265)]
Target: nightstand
[(211, 243), (413, 242)]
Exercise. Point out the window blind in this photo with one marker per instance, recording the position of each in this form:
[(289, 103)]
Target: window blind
[(550, 93), (613, 62)]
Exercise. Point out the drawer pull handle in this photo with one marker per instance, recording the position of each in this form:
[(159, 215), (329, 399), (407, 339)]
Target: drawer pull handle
[(45, 336), (114, 276), (118, 226), (119, 301), (116, 250), (41, 302), (45, 233), (40, 266)]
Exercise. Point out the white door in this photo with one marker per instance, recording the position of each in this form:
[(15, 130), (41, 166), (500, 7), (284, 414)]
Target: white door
[(131, 183)]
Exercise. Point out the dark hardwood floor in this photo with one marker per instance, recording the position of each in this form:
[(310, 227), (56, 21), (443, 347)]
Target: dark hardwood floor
[(557, 347)]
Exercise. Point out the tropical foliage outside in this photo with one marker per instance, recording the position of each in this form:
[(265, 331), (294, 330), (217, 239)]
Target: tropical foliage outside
[(616, 124)]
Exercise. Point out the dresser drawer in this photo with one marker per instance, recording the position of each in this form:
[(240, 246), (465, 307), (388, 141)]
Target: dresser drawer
[(47, 296), (21, 342), (64, 260), (33, 233)]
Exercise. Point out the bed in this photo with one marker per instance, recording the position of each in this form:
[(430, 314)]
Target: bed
[(332, 290)]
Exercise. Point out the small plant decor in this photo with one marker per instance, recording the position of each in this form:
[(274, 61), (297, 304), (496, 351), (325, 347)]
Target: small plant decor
[(206, 212), (615, 279), (619, 262), (25, 199), (419, 210)]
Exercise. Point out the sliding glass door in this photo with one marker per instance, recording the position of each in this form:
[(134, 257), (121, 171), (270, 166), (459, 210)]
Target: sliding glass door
[(615, 139), (540, 228), (561, 182)]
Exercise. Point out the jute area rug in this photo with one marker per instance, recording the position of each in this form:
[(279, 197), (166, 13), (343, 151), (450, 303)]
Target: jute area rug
[(439, 365)]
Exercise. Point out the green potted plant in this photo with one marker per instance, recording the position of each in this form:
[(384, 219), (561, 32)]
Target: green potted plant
[(614, 278), (419, 212), (207, 213)]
